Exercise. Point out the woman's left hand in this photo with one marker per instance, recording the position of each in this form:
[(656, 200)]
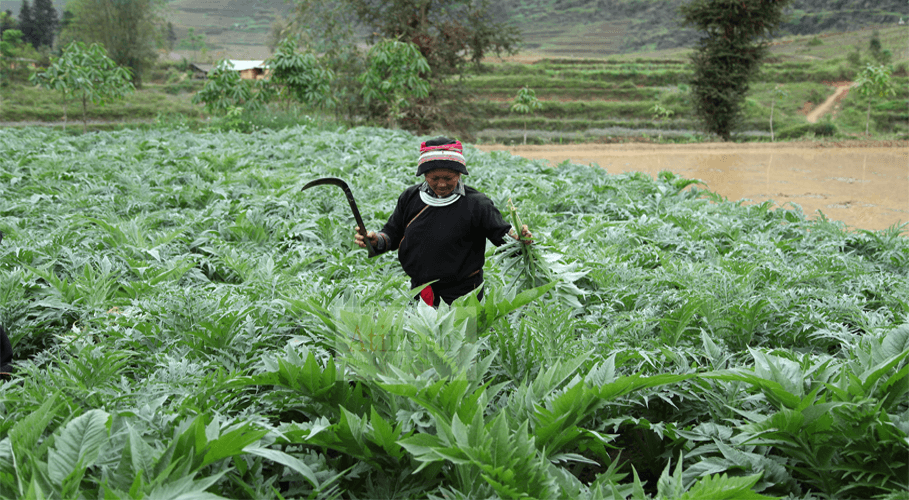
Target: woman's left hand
[(526, 236)]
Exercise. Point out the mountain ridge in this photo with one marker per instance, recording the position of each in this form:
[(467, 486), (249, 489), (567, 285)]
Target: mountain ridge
[(583, 28)]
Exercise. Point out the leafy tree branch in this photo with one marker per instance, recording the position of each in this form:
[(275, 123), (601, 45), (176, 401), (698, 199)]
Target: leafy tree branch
[(88, 74)]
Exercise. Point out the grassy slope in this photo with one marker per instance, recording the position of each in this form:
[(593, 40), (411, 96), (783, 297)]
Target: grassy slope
[(153, 100)]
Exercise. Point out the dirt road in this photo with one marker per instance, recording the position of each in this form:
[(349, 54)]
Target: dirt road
[(841, 89), (865, 185)]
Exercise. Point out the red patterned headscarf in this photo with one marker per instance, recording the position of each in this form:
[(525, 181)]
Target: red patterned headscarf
[(441, 153)]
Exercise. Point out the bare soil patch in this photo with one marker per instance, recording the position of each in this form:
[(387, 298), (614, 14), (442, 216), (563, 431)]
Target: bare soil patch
[(864, 184), (842, 89)]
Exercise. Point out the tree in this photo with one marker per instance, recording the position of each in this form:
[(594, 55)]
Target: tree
[(225, 90), (881, 55), (15, 53), (393, 76), (300, 75), (27, 24), (728, 56), (10, 41), (55, 78), (194, 40), (776, 93), (874, 44), (450, 34), (87, 74), (126, 28), (328, 28), (171, 37), (7, 22), (66, 20), (46, 22), (874, 81), (660, 112), (525, 102)]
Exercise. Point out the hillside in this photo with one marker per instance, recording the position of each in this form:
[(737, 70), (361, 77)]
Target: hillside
[(584, 27), (232, 28), (573, 28)]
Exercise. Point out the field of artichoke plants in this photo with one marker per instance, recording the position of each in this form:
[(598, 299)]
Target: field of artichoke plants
[(189, 325)]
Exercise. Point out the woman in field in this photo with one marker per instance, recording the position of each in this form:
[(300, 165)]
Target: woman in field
[(440, 227), (6, 349)]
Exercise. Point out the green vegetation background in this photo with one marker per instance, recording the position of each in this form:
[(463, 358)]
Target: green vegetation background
[(604, 99), (187, 322), (189, 325)]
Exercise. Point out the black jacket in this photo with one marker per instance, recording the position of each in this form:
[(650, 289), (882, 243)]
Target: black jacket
[(6, 348), (6, 352), (443, 243)]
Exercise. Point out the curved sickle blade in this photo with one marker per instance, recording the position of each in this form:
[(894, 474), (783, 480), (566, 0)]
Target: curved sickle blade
[(334, 181)]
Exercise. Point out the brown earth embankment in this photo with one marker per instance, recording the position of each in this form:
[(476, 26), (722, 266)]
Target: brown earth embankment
[(864, 184)]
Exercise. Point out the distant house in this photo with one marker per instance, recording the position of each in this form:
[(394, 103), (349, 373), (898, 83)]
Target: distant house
[(249, 70), (200, 70)]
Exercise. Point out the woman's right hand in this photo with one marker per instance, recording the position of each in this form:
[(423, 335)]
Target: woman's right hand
[(373, 238)]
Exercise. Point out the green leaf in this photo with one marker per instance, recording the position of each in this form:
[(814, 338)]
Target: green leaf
[(384, 434), (723, 487), (424, 448), (896, 342), (141, 454), (671, 486), (25, 433), (773, 390), (187, 488), (231, 443), (626, 385), (78, 444), (896, 387), (873, 374), (286, 460)]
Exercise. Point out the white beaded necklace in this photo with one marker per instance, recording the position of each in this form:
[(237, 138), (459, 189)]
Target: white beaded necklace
[(438, 202)]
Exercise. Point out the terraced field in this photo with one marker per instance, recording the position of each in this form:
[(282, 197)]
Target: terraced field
[(612, 99), (578, 41)]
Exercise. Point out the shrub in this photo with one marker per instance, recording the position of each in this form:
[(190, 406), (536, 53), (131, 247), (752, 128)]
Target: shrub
[(825, 129), (819, 130), (186, 86), (854, 59), (815, 96)]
